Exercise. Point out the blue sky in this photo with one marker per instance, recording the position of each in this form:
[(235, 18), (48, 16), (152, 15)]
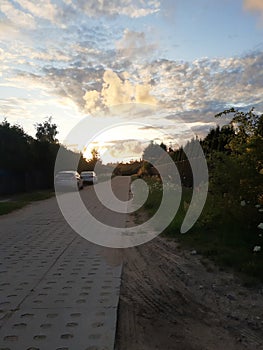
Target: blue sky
[(188, 59)]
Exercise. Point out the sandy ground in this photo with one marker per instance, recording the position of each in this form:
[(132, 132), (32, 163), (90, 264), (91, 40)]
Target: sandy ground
[(171, 300)]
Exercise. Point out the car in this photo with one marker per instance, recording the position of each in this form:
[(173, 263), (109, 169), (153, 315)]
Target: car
[(89, 177), (68, 179)]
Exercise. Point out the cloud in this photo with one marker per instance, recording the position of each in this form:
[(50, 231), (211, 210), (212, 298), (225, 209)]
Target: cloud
[(8, 31), (142, 94), (117, 90), (254, 6), (192, 91), (18, 17), (126, 149), (29, 15), (133, 45), (92, 100), (42, 9), (130, 8)]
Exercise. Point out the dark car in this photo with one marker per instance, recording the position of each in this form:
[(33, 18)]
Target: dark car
[(89, 177)]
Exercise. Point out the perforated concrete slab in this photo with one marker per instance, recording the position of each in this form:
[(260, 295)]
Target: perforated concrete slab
[(57, 290), (57, 329)]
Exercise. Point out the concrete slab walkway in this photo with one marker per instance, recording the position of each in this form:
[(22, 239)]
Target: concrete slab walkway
[(57, 290)]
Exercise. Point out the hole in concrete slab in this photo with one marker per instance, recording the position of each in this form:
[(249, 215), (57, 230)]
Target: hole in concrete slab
[(40, 337), (4, 303), (27, 315), (97, 324), (86, 288), (52, 315), (66, 336), (19, 325), (72, 324), (46, 325), (103, 300)]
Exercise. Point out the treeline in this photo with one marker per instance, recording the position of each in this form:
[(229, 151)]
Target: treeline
[(234, 155), (27, 163)]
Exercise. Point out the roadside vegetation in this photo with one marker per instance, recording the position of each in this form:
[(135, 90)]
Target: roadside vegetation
[(230, 229), (9, 204)]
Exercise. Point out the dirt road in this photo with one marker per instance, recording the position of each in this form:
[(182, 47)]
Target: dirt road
[(170, 300)]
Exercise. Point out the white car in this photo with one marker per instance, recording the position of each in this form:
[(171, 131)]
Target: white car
[(68, 179), (89, 177)]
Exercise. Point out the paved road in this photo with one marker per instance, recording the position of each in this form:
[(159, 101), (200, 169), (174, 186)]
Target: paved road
[(57, 290)]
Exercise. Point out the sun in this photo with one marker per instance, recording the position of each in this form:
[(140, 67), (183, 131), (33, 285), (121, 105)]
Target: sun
[(122, 143)]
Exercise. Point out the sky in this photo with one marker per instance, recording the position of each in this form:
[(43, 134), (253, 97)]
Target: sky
[(167, 65)]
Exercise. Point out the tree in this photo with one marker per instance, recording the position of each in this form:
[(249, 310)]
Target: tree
[(218, 139), (152, 152), (246, 125), (95, 154), (163, 146), (238, 172), (15, 146), (46, 131), (93, 161)]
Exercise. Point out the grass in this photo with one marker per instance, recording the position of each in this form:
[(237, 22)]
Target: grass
[(225, 233), (19, 201)]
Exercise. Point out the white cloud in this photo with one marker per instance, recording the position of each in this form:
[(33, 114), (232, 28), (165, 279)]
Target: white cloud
[(117, 91), (9, 31), (196, 90), (134, 45), (142, 94), (19, 18), (92, 100), (126, 149), (130, 8), (42, 8)]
